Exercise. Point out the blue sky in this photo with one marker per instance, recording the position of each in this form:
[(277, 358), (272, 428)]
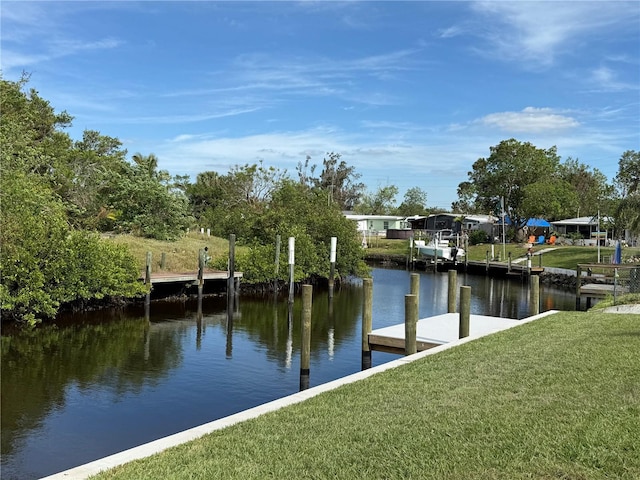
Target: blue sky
[(409, 93)]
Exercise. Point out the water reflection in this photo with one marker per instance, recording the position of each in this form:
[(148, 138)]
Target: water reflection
[(95, 384)]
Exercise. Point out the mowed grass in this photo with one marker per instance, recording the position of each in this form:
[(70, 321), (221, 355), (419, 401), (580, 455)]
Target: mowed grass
[(180, 255), (556, 398), (558, 256)]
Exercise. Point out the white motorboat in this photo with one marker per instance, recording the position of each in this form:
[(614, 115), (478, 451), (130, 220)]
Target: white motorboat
[(439, 247)]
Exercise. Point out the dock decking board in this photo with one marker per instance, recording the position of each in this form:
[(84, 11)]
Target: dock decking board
[(434, 331), (178, 277)]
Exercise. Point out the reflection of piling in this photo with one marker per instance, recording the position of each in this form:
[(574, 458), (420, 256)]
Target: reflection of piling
[(232, 269), (147, 279), (410, 323), (332, 268), (367, 320), (228, 351), (305, 349), (534, 306), (199, 324), (277, 266), (451, 298), (465, 311)]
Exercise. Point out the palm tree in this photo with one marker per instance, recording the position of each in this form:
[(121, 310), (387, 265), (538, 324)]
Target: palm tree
[(148, 163)]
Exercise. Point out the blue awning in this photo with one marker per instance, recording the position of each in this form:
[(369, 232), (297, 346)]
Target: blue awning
[(531, 223)]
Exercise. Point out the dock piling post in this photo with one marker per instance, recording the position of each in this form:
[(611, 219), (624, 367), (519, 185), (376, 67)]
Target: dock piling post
[(305, 349), (509, 264), (410, 324), (163, 260), (415, 287), (487, 262), (578, 285), (534, 307), (367, 321), (465, 311), (200, 272), (451, 300)]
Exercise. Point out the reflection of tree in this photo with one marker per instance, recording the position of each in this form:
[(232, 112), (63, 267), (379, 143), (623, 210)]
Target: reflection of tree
[(39, 366), (267, 323)]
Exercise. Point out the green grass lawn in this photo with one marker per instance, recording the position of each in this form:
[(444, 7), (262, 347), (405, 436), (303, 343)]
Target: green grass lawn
[(555, 398), (560, 257)]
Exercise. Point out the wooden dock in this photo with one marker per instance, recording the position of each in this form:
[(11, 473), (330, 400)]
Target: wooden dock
[(492, 268), (434, 331), (189, 277)]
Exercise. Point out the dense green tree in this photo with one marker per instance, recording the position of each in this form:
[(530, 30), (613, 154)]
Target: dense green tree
[(414, 202), (146, 202), (628, 181), (44, 261), (299, 211), (552, 199), (510, 167), (593, 193), (380, 202), (96, 160)]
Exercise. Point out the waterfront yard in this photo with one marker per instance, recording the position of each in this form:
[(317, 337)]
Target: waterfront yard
[(555, 398)]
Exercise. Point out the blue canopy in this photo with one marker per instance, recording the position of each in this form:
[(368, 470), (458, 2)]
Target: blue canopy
[(531, 223)]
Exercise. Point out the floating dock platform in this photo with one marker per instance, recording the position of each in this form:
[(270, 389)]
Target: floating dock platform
[(434, 331)]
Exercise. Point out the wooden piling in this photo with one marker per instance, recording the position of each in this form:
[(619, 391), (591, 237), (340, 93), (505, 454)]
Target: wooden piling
[(367, 321), (410, 324), (305, 349), (453, 283), (509, 264), (487, 262), (578, 285), (200, 272), (465, 311), (163, 260), (534, 305), (415, 287)]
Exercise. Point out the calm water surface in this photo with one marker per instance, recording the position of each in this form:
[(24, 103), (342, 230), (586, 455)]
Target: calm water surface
[(95, 384)]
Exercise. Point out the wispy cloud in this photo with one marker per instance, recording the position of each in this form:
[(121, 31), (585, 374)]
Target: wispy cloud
[(529, 120), (538, 32), (606, 79)]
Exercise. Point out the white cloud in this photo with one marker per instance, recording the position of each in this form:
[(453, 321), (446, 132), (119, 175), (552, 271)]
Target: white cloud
[(538, 32), (530, 120)]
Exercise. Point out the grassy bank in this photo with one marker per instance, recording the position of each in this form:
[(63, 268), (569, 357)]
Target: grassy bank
[(180, 255), (559, 257), (556, 398)]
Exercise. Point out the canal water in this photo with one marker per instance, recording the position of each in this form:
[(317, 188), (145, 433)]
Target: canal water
[(94, 384)]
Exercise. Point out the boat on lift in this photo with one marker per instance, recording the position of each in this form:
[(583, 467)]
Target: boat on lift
[(440, 246)]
